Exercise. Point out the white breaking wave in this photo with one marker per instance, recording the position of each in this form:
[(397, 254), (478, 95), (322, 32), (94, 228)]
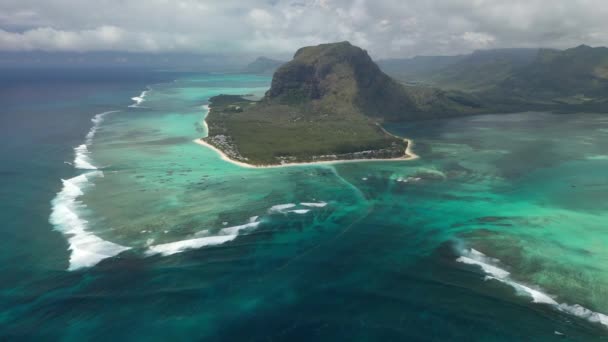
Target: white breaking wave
[(283, 208), (139, 99), (82, 159), (180, 246), (488, 265), (299, 211), (280, 208), (236, 229), (97, 120), (86, 248), (226, 234), (313, 204)]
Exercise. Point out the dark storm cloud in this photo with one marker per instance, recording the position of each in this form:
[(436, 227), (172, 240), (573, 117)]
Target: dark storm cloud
[(385, 27)]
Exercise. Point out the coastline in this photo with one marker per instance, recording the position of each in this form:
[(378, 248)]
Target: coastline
[(409, 154)]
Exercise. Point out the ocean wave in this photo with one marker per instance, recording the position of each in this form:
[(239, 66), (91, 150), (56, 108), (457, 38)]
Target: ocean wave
[(226, 234), (139, 99), (314, 204), (494, 272), (97, 120), (86, 249), (184, 245), (280, 208), (299, 211), (81, 159), (237, 229)]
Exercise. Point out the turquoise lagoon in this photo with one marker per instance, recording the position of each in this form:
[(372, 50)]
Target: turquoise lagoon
[(498, 232)]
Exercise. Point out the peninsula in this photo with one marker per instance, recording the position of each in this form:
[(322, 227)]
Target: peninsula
[(328, 104)]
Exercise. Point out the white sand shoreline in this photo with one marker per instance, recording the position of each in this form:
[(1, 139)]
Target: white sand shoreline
[(409, 154)]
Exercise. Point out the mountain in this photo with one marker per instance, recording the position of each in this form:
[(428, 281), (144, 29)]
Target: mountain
[(482, 69), (326, 104), (413, 70), (576, 77), (342, 78), (263, 65), (477, 71)]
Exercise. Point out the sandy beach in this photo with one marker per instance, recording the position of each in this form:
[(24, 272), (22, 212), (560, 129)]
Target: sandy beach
[(409, 155)]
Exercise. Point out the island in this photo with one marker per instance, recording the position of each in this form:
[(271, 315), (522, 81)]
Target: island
[(328, 104)]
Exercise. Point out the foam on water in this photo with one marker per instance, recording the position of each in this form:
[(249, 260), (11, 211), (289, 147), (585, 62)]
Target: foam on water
[(488, 265), (280, 208), (139, 99), (97, 120), (86, 249), (314, 204), (237, 229), (299, 211), (82, 159), (180, 246), (226, 234), (489, 269)]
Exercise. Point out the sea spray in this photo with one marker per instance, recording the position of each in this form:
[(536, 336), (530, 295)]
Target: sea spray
[(82, 159), (494, 272), (139, 99), (97, 120), (314, 204), (225, 235), (86, 249)]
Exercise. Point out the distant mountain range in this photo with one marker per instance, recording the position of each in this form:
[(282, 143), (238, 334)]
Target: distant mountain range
[(475, 71), (263, 65), (575, 79)]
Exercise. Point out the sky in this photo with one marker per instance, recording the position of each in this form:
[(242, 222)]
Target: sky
[(276, 28)]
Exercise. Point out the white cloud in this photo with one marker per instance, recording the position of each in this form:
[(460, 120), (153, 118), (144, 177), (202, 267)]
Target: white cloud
[(478, 40), (387, 28), (261, 19)]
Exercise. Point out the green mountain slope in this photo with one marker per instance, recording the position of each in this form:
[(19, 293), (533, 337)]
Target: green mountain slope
[(474, 72), (416, 69), (510, 80), (575, 77)]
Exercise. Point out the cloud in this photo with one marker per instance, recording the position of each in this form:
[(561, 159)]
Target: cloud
[(478, 39), (387, 28)]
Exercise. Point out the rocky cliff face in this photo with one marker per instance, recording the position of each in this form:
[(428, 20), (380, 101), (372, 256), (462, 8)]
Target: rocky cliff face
[(340, 77)]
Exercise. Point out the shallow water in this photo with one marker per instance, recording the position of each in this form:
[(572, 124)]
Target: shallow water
[(494, 234)]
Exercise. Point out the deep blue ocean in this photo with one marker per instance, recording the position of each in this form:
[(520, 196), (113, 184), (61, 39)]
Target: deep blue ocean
[(498, 232)]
